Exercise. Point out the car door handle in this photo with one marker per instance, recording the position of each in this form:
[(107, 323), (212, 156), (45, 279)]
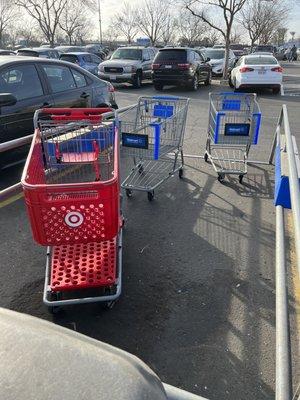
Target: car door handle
[(84, 95), (46, 105)]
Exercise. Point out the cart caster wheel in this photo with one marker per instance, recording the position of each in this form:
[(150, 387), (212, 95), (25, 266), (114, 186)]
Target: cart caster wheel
[(241, 177), (180, 173), (221, 177), (141, 169), (206, 157), (108, 305), (128, 192), (150, 195)]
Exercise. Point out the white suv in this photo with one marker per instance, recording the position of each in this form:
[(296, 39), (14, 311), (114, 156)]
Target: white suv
[(128, 64)]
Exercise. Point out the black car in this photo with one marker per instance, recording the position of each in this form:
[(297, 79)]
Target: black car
[(180, 66), (38, 83)]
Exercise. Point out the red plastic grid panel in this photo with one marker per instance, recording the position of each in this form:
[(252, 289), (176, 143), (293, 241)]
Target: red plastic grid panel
[(82, 266)]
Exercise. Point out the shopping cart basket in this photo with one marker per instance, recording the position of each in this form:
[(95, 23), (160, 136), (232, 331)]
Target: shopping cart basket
[(72, 193), (234, 124), (152, 134)]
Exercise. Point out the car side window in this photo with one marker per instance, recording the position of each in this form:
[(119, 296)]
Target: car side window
[(79, 78), (146, 55), (87, 58), (59, 77), (22, 81), (95, 59)]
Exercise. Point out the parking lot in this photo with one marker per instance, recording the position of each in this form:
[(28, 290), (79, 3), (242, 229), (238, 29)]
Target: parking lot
[(198, 302)]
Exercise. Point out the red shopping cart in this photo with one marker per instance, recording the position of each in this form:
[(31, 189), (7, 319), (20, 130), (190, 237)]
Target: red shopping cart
[(72, 193)]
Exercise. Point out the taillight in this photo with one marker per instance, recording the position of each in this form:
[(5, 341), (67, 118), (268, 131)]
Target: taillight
[(184, 66), (246, 69), (155, 66), (277, 69)]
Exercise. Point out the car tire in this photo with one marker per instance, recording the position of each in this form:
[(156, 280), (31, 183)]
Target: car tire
[(207, 81), (230, 83), (194, 84), (158, 86), (276, 90), (137, 82)]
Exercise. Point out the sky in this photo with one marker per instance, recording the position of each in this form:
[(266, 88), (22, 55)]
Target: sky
[(110, 7)]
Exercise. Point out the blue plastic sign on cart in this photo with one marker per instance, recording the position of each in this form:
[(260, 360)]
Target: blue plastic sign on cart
[(282, 195)]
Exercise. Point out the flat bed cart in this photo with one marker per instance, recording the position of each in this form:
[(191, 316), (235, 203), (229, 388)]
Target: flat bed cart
[(152, 134), (72, 193), (234, 123)]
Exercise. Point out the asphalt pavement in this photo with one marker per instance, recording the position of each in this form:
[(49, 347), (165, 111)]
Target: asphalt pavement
[(198, 302)]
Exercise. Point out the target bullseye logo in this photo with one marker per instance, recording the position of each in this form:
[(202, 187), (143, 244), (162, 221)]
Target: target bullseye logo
[(74, 219)]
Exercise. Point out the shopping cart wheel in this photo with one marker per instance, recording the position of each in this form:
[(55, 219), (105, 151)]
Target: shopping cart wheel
[(150, 195), (241, 177), (128, 192), (206, 157), (221, 177), (180, 173), (108, 305)]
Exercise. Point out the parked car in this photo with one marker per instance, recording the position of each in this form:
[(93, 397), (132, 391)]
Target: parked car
[(38, 83), (128, 64), (69, 49), (38, 52), (265, 47), (96, 49), (217, 59), (259, 71), (7, 52), (87, 61), (180, 66)]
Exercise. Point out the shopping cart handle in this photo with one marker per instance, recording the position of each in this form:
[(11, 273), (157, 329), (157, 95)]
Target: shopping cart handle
[(75, 114), (166, 98)]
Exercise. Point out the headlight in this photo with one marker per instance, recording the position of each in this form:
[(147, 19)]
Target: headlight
[(101, 68)]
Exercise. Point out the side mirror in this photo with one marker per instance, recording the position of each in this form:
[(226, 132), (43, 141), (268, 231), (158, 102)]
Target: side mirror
[(7, 99), (207, 59)]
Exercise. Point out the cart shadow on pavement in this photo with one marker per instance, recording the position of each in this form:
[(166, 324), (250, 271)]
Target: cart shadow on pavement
[(198, 302)]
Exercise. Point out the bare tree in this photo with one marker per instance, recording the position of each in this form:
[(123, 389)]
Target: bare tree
[(191, 28), (73, 21), (46, 13), (169, 30), (125, 22), (227, 8), (111, 35), (7, 15), (151, 18), (29, 34), (262, 19)]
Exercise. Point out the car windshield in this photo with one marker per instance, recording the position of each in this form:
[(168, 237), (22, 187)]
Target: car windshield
[(264, 48), (264, 60), (127, 54), (171, 55), (214, 54), (30, 53)]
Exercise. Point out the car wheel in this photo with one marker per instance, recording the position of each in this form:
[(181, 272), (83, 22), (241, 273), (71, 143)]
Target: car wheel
[(230, 83), (207, 82), (194, 84), (158, 86), (276, 90), (137, 82)]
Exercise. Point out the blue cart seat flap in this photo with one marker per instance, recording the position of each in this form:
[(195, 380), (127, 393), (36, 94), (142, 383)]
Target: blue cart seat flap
[(282, 187), (135, 140), (257, 122), (163, 111), (231, 105), (81, 143), (236, 129)]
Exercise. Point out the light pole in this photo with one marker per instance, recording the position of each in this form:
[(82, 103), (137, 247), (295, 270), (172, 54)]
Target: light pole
[(100, 21)]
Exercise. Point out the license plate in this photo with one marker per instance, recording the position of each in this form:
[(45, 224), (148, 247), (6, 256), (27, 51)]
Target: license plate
[(261, 72), (113, 77), (168, 66)]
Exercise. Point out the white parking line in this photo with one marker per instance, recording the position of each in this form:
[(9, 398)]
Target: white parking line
[(281, 90)]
